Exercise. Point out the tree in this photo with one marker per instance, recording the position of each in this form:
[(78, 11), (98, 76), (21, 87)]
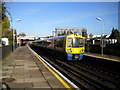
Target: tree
[(7, 32), (84, 33), (0, 11), (22, 34), (5, 26), (104, 37), (5, 11), (64, 33), (69, 32), (0, 20), (91, 36), (115, 35)]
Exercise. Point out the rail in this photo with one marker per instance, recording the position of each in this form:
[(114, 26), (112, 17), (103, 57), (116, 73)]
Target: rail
[(84, 74)]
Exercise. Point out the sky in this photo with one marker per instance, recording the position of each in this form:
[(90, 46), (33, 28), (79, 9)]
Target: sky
[(41, 18)]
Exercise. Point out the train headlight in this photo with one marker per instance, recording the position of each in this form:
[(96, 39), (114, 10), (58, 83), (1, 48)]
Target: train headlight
[(82, 50), (69, 50)]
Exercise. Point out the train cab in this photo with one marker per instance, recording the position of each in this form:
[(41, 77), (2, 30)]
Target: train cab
[(74, 47)]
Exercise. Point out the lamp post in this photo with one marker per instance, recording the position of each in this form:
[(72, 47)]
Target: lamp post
[(13, 32), (102, 41), (13, 39), (18, 20)]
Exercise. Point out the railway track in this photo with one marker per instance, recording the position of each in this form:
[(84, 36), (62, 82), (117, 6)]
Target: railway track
[(84, 75)]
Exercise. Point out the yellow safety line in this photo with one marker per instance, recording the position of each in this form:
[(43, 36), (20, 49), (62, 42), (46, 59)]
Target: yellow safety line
[(65, 84), (101, 57)]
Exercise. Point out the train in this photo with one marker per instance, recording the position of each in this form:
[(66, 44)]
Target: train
[(68, 47)]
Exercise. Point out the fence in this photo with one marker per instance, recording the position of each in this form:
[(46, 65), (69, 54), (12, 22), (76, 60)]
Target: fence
[(5, 50), (110, 49)]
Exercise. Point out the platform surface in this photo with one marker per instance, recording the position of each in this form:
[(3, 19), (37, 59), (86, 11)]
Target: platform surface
[(20, 70), (104, 56)]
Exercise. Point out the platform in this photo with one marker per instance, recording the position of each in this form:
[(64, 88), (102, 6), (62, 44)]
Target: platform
[(22, 69), (104, 56)]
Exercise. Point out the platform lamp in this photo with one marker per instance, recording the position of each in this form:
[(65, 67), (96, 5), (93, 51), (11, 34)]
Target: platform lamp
[(102, 34)]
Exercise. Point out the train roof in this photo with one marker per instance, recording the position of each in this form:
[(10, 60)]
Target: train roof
[(52, 38), (57, 37)]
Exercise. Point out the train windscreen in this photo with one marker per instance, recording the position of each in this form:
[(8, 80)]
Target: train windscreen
[(75, 42)]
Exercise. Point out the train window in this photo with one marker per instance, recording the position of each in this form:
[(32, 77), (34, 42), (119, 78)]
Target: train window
[(48, 42), (75, 42), (55, 43), (70, 42), (78, 42), (39, 43), (60, 42)]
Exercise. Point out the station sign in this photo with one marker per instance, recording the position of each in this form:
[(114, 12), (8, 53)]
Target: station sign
[(103, 43)]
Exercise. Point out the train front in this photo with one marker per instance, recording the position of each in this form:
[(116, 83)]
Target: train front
[(74, 47)]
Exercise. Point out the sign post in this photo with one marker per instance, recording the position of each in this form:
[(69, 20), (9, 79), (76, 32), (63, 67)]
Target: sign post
[(102, 45)]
